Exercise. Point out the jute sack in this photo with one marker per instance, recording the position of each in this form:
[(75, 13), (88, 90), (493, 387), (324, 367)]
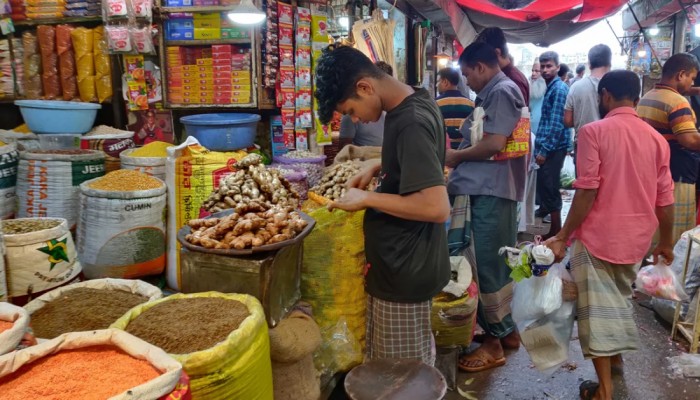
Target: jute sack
[(154, 166), (10, 338), (121, 234), (40, 261), (125, 285), (238, 367), (137, 348), (9, 158)]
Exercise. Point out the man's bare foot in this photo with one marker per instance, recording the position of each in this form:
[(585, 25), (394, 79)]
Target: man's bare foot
[(488, 355)]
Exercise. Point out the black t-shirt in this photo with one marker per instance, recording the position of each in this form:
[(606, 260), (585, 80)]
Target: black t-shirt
[(409, 260)]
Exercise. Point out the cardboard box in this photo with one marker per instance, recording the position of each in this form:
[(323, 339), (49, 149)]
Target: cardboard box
[(221, 48), (234, 33), (179, 34), (221, 62), (207, 62), (207, 21), (178, 3), (240, 74), (240, 81), (206, 3), (207, 33)]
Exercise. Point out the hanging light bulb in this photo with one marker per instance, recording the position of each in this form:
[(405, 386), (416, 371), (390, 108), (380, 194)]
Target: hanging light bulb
[(642, 52), (344, 22), (245, 13), (443, 59), (697, 29), (653, 31)]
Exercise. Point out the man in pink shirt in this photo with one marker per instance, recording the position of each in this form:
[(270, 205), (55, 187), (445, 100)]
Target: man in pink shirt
[(624, 191)]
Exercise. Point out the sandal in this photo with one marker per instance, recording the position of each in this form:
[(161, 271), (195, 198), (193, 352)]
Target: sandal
[(486, 359), (587, 390)]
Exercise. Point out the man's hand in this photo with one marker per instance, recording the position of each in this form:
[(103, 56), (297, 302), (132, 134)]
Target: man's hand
[(665, 251), (558, 247), (354, 200), (362, 179), (540, 160), (452, 158)]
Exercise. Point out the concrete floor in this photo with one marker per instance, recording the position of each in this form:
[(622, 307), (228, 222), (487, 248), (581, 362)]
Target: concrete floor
[(647, 372)]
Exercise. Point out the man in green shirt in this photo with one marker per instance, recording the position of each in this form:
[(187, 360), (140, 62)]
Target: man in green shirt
[(405, 238)]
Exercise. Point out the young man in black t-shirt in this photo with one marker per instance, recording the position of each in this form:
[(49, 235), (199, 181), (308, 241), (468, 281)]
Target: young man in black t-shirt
[(405, 237)]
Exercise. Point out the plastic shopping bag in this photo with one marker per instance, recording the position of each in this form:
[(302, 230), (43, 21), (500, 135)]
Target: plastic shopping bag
[(535, 297), (659, 281)]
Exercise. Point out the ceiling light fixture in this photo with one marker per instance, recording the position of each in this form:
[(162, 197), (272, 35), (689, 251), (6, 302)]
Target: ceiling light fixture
[(653, 31), (245, 13)]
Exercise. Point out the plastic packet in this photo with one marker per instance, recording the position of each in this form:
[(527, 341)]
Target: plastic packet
[(64, 41), (51, 85), (535, 297), (142, 8), (103, 84), (118, 40), (660, 281), (69, 84), (47, 39), (85, 66), (83, 41), (142, 40), (86, 87), (115, 8)]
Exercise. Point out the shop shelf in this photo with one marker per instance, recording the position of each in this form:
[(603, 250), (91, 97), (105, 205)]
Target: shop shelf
[(205, 42)]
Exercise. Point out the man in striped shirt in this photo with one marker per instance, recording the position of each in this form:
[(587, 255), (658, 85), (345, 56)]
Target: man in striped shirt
[(454, 106), (667, 111)]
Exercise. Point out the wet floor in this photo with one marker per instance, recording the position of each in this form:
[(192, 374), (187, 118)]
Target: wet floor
[(648, 375)]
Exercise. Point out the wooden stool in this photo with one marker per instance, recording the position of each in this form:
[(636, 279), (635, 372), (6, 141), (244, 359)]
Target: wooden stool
[(391, 379)]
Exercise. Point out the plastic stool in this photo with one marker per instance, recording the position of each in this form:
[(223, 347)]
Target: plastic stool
[(391, 379)]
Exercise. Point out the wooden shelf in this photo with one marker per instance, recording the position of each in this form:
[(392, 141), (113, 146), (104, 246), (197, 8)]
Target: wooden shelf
[(195, 9), (55, 21), (208, 106), (206, 42)]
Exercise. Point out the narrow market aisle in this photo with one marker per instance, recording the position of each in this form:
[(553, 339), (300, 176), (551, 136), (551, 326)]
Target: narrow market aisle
[(647, 372)]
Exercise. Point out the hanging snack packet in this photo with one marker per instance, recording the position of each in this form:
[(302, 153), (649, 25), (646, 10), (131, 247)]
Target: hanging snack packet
[(118, 39), (141, 37)]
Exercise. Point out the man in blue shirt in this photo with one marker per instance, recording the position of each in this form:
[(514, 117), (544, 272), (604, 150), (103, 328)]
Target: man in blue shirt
[(552, 141)]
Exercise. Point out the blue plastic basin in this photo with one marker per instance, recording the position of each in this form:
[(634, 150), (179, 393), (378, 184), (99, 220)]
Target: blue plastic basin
[(58, 117), (222, 131)]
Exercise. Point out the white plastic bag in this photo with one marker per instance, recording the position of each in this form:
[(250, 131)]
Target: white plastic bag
[(535, 297), (547, 339), (660, 281)]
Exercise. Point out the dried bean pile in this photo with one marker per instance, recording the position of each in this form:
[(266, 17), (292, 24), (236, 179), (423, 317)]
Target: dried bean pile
[(83, 309), (19, 226), (126, 180), (184, 326)]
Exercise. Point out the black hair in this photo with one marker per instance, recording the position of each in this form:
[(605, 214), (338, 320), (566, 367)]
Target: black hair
[(600, 55), (451, 75), (621, 84), (580, 69), (550, 56), (563, 70), (385, 67), (337, 72), (479, 52), (679, 62), (495, 37)]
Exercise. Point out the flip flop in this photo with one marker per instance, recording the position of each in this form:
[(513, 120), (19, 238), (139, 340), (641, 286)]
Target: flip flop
[(587, 390), (487, 361)]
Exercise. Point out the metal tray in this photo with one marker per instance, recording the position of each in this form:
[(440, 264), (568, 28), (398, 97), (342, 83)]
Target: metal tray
[(185, 230)]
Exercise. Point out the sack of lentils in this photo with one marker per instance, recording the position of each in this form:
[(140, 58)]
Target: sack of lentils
[(103, 364), (48, 181), (121, 229), (111, 141), (221, 340), (149, 159), (40, 256), (9, 158), (13, 324), (87, 306)]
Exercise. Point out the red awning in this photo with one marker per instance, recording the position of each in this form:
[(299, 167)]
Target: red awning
[(541, 10)]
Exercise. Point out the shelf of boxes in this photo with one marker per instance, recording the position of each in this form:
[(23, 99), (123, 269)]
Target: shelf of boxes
[(209, 76), (56, 21), (208, 61)]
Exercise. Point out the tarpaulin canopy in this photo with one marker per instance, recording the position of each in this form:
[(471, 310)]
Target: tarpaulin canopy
[(541, 22), (540, 10)]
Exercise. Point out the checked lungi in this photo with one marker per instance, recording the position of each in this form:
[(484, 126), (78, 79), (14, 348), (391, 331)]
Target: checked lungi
[(399, 330), (606, 325)]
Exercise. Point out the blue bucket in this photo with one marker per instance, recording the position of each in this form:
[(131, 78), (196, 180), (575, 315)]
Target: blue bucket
[(58, 117), (223, 131)]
